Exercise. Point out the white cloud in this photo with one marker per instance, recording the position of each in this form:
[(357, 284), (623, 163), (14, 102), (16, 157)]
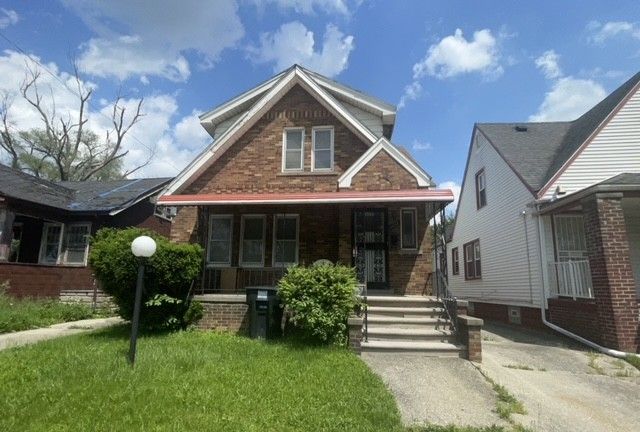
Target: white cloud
[(455, 55), (548, 62), (175, 144), (420, 146), (568, 99), (602, 32), (308, 7), (8, 17), (294, 43), (154, 35), (455, 188)]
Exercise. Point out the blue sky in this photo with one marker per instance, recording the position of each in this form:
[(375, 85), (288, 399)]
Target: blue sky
[(447, 64)]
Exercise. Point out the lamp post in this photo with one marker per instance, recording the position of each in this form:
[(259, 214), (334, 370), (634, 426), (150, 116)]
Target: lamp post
[(142, 247)]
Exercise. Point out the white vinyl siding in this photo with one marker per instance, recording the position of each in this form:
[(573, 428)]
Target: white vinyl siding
[(501, 231), (371, 121), (222, 127), (614, 150)]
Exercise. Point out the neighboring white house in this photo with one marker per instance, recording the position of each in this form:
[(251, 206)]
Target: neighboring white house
[(554, 208)]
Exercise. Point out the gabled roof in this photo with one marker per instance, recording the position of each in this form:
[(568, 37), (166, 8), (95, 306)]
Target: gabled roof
[(109, 197), (537, 152), (244, 101), (423, 179), (284, 82)]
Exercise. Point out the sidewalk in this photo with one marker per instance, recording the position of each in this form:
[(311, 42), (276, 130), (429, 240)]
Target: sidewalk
[(10, 340)]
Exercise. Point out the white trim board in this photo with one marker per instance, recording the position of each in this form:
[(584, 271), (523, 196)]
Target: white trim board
[(295, 76), (423, 179)]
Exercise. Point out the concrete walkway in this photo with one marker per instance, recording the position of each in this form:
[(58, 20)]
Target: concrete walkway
[(563, 386), (10, 340)]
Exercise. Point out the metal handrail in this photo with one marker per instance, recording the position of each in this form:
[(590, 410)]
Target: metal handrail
[(449, 301), (366, 313), (571, 279)]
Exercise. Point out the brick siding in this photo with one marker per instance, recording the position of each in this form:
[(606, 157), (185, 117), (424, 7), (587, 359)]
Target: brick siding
[(383, 173), (611, 271), (223, 315), (577, 316), (33, 280), (529, 317)]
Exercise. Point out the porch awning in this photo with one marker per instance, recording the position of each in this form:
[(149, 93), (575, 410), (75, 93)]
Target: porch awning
[(412, 195)]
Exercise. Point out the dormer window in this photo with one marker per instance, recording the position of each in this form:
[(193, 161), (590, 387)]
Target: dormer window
[(322, 156), (293, 149)]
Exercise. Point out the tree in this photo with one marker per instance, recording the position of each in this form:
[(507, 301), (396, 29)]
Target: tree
[(63, 148)]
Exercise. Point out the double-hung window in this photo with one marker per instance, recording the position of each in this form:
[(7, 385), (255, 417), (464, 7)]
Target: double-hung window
[(472, 267), (455, 261), (408, 229), (481, 189), (65, 244), (285, 240), (322, 154), (293, 149), (252, 243), (220, 234)]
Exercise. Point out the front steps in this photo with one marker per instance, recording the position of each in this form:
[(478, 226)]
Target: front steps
[(410, 325)]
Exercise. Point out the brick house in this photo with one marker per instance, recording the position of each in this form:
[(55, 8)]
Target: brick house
[(549, 222), (302, 169), (45, 228)]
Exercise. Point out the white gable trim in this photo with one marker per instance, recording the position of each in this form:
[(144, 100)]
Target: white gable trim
[(246, 121), (423, 179)]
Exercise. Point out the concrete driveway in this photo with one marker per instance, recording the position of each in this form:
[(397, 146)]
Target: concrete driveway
[(563, 386), (569, 388)]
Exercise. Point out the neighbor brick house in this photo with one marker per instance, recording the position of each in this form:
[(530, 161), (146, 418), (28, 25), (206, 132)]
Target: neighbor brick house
[(45, 227), (302, 169), (549, 222)]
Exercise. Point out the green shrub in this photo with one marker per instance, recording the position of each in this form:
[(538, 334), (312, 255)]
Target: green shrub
[(169, 275), (320, 298)]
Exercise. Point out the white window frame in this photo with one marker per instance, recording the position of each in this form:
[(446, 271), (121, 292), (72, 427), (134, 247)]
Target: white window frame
[(284, 150), (264, 233), (220, 263), (63, 256), (275, 233), (414, 210), (313, 148)]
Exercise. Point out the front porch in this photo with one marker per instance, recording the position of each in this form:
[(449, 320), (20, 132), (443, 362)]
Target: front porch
[(383, 234), (591, 241)]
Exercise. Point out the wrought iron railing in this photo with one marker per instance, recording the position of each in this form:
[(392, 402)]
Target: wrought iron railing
[(365, 327), (570, 279), (234, 280), (449, 301)]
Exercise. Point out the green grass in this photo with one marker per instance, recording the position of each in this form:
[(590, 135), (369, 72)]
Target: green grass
[(200, 381), (633, 361), (593, 363), (25, 314)]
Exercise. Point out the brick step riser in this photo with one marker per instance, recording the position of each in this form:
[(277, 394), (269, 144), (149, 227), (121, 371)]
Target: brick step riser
[(423, 352), (412, 304), (399, 314), (401, 337), (425, 326)]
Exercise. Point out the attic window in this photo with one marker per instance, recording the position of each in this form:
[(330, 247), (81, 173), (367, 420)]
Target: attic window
[(520, 128)]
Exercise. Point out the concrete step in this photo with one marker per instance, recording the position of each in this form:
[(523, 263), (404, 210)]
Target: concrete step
[(403, 301), (406, 311), (408, 322), (417, 334), (439, 349)]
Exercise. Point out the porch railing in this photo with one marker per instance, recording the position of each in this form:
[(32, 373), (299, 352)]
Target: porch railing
[(449, 302), (234, 280), (570, 279)]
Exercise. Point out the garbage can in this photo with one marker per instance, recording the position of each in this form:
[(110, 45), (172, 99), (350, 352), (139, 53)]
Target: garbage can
[(265, 312)]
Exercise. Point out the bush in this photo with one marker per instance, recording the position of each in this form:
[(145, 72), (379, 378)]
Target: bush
[(320, 298), (169, 275)]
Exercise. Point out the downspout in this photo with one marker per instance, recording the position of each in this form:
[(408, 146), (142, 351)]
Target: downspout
[(595, 346)]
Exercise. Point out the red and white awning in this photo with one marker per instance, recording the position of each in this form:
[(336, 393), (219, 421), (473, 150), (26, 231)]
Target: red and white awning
[(412, 195)]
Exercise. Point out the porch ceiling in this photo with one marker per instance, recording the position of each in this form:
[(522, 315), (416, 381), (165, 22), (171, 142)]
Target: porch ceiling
[(413, 195)]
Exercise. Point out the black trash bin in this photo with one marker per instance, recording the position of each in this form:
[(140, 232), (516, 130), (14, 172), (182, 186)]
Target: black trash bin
[(265, 312)]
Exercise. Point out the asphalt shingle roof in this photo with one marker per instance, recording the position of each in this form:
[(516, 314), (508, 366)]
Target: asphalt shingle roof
[(538, 152), (88, 196)]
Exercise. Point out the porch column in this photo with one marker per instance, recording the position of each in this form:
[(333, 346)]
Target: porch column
[(611, 271), (6, 231)]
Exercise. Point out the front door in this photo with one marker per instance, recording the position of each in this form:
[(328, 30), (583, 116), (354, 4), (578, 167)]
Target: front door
[(370, 247)]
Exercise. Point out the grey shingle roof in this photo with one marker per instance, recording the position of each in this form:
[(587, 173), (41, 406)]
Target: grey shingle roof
[(625, 179), (89, 196), (539, 152)]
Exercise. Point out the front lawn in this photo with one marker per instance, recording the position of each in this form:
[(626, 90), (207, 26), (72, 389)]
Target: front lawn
[(189, 381), (25, 314)]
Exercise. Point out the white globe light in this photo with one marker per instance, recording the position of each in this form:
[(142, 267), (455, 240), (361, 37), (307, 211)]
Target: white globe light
[(143, 246)]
